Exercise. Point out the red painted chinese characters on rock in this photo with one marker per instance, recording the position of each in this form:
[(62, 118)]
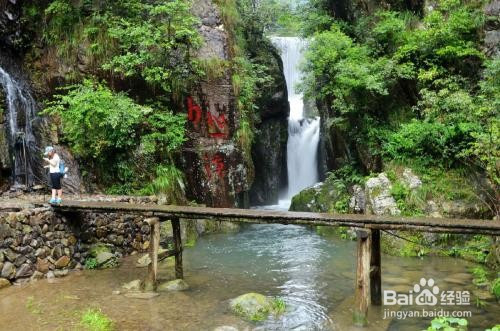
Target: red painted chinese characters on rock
[(215, 164), (216, 120)]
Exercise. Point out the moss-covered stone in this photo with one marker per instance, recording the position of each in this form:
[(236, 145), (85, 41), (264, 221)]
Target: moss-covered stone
[(328, 196), (98, 248), (251, 306)]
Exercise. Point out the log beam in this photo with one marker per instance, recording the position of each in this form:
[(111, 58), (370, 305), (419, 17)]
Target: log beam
[(375, 269), (362, 286), (176, 227), (154, 244)]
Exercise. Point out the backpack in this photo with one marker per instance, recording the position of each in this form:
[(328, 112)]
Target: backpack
[(62, 168)]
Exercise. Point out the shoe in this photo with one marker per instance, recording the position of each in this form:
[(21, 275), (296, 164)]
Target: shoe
[(58, 201), (52, 201)]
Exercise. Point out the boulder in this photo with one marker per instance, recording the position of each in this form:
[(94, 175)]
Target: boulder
[(379, 198), (411, 180), (106, 260), (251, 306), (323, 197), (95, 249), (24, 270), (357, 202), (62, 262), (42, 265), (174, 285), (4, 283), (8, 270)]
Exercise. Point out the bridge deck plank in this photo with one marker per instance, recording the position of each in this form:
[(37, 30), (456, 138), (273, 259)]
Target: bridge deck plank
[(427, 224)]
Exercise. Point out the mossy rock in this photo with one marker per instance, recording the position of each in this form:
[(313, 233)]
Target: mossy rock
[(251, 306), (98, 248), (328, 196)]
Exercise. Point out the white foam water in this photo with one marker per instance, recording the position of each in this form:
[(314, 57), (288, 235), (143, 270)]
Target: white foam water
[(303, 132)]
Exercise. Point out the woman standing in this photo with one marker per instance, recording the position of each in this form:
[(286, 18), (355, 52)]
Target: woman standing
[(53, 161)]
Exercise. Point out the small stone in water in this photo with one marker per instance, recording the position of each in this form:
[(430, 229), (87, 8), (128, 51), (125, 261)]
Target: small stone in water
[(134, 285), (174, 285)]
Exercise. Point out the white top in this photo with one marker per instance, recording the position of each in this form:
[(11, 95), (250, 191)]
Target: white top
[(53, 163)]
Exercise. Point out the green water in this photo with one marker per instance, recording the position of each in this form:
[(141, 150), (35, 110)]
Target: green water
[(313, 274)]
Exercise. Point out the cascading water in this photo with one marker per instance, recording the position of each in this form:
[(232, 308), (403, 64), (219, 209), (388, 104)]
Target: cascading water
[(303, 132), (21, 110)]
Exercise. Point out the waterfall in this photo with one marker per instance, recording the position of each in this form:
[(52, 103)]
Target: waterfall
[(21, 110), (303, 132)]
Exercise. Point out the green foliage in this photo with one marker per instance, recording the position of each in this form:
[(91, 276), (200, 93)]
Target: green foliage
[(150, 40), (246, 79), (495, 328), (165, 133), (104, 128), (213, 68), (409, 88), (412, 247), (96, 320), (97, 122), (91, 263), (433, 143), (278, 306), (495, 287), (448, 324), (480, 276), (156, 48), (169, 181)]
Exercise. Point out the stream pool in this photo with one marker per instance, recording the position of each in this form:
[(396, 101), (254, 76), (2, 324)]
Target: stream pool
[(312, 273)]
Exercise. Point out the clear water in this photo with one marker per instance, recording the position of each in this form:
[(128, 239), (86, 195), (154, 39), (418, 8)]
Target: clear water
[(312, 273)]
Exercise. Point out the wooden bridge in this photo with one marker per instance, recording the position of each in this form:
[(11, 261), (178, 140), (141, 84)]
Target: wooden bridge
[(368, 288)]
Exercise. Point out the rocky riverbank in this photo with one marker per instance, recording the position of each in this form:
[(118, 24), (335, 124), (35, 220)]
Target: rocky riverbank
[(37, 243)]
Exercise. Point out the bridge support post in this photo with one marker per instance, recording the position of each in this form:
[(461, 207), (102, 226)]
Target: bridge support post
[(362, 286), (176, 227), (154, 244), (375, 269)]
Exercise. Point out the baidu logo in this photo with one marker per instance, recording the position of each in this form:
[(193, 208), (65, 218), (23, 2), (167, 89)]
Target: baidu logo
[(426, 293)]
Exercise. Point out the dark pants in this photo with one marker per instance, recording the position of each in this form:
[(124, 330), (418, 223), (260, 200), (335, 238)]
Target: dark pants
[(55, 179)]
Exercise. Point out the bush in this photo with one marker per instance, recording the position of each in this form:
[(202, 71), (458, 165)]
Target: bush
[(97, 122), (105, 129), (432, 142)]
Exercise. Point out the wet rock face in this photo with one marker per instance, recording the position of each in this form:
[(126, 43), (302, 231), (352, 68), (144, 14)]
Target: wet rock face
[(269, 148), (5, 164), (10, 24), (492, 29), (269, 156), (216, 170)]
